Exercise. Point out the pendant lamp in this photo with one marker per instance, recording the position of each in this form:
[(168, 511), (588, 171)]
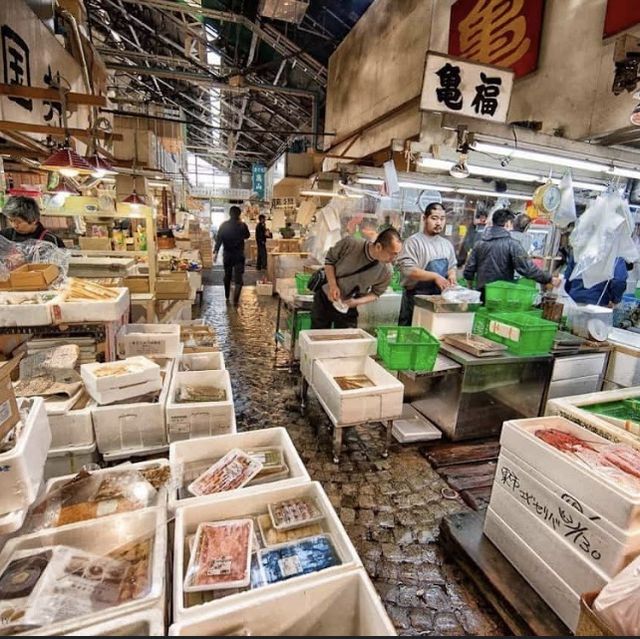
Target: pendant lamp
[(67, 162)]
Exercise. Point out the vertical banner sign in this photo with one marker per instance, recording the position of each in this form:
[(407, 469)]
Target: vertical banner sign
[(258, 172), (465, 88), (503, 33)]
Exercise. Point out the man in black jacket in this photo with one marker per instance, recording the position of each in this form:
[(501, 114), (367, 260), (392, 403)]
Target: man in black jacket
[(232, 235), (262, 234), (498, 256)]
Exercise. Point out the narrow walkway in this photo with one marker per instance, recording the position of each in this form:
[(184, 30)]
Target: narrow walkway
[(390, 508)]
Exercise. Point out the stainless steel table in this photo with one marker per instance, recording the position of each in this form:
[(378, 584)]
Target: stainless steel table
[(472, 396)]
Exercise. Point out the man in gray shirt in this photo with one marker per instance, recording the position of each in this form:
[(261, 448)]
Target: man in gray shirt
[(358, 272), (427, 263)]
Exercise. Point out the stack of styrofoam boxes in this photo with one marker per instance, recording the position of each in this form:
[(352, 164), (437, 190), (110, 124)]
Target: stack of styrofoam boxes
[(100, 537), (566, 528), (611, 428), (23, 466), (286, 607), (323, 360), (623, 369)]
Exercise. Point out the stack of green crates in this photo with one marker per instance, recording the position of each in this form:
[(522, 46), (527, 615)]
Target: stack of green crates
[(407, 348), (522, 333), (303, 323), (302, 279), (510, 296)]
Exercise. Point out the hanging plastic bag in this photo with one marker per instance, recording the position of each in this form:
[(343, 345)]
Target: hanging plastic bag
[(618, 603), (565, 214)]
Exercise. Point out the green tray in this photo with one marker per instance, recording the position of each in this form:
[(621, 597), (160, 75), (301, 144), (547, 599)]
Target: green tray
[(409, 348)]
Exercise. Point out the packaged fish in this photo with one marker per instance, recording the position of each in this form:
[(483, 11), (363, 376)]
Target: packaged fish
[(233, 471), (293, 513)]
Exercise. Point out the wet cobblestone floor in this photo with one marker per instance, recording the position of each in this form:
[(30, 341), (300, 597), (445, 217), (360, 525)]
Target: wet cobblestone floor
[(391, 508)]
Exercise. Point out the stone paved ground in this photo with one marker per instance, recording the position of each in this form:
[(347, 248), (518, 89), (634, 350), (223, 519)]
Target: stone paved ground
[(390, 508)]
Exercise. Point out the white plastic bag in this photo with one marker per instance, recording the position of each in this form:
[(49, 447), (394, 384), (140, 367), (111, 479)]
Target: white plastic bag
[(460, 294), (565, 214), (618, 603)]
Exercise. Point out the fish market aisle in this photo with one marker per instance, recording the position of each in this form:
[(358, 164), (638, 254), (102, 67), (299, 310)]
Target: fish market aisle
[(391, 508)]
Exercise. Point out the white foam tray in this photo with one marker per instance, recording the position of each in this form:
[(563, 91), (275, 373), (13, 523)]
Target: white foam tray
[(311, 350), (200, 419), (344, 605), (201, 362), (212, 448), (380, 402), (147, 623), (149, 339), (23, 465), (73, 428), (93, 311), (26, 314), (621, 508), (65, 461), (243, 505), (100, 537), (133, 426), (540, 576)]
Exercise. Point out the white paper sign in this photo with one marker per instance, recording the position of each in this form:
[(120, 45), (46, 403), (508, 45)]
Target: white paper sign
[(466, 88)]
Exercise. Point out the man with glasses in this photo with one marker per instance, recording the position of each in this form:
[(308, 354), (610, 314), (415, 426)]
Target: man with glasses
[(427, 262)]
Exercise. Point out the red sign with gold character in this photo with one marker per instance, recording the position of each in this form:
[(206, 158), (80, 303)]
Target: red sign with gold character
[(504, 33)]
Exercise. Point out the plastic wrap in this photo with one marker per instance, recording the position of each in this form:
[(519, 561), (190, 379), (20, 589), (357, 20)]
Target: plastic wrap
[(565, 214), (618, 603), (460, 294), (233, 471), (294, 513), (15, 254)]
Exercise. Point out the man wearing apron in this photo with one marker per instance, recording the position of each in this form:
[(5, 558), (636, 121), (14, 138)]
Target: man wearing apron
[(427, 262)]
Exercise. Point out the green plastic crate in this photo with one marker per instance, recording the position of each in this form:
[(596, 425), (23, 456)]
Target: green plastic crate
[(625, 409), (407, 348), (521, 333), (481, 321), (510, 296), (303, 322), (302, 279), (395, 281)]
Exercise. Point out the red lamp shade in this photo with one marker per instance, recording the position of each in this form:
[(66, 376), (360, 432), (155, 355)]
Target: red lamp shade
[(67, 162), (65, 186), (100, 167), (134, 198)]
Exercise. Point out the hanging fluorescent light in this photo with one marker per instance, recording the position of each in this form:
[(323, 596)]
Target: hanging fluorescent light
[(511, 196), (434, 163), (628, 173), (370, 181), (590, 186), (320, 193), (546, 158), (422, 185), (486, 171)]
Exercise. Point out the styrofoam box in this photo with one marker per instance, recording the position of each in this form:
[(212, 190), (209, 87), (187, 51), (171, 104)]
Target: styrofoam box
[(201, 362), (200, 419), (10, 522), (264, 289), (439, 324), (344, 605), (624, 366), (616, 430), (310, 349), (604, 496), (124, 455), (541, 577), (135, 426), (25, 314), (65, 461), (600, 543), (379, 402), (147, 623), (93, 311), (213, 448), (23, 465), (149, 339), (237, 506), (101, 536), (72, 428), (567, 560)]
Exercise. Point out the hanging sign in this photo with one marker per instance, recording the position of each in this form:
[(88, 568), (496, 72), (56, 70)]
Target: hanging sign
[(466, 88), (258, 172)]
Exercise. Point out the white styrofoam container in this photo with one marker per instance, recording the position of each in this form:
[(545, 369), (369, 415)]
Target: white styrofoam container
[(379, 402), (22, 467), (200, 419), (344, 605), (264, 289), (624, 366), (567, 561), (93, 311), (201, 362), (101, 536), (213, 448), (26, 314), (589, 365), (10, 522), (72, 428), (236, 506), (439, 324), (600, 543), (620, 507), (149, 339), (65, 461), (541, 577), (124, 455), (135, 426), (311, 349), (146, 623)]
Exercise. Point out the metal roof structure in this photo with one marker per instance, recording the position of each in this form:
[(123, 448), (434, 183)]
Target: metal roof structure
[(246, 86)]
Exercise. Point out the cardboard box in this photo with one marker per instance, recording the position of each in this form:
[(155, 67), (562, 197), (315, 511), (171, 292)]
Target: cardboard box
[(9, 415), (183, 244), (95, 243), (137, 284), (33, 277), (172, 286), (139, 145)]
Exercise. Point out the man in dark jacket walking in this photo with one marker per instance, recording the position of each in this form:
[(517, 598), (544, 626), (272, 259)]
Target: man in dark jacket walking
[(498, 256), (262, 234), (232, 235)]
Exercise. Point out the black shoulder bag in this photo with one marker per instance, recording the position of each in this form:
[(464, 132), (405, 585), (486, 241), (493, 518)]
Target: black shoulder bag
[(319, 278)]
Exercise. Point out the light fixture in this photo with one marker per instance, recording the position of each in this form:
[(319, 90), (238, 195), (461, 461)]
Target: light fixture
[(511, 196), (474, 169), (422, 185), (628, 173), (460, 170), (537, 156), (590, 186), (370, 181), (134, 199), (67, 162), (101, 168), (64, 187), (320, 193)]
